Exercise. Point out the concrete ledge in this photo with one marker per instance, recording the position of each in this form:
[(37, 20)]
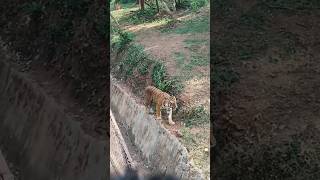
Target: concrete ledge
[(162, 150), (120, 157)]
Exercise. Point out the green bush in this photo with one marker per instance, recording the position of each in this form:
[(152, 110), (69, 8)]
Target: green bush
[(139, 16), (120, 40), (196, 4), (196, 116), (173, 86), (135, 59), (192, 4)]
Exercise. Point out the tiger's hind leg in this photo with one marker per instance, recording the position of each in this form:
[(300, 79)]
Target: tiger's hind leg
[(147, 102)]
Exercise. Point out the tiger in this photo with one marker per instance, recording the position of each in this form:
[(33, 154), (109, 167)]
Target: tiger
[(162, 100)]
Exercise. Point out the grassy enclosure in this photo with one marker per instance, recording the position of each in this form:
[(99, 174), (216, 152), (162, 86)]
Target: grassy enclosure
[(169, 49)]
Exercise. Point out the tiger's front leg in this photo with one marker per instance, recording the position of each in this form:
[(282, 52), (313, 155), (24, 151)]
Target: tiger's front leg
[(170, 116), (158, 112)]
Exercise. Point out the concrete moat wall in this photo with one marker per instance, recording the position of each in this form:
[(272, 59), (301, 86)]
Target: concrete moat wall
[(162, 150), (45, 142)]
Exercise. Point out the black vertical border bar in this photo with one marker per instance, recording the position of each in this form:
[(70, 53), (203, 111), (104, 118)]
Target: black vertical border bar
[(107, 59), (211, 92)]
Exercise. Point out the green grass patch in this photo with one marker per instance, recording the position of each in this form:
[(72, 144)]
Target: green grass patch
[(137, 16), (196, 60), (198, 25), (122, 14), (194, 45), (123, 5), (179, 57), (199, 60), (196, 116), (187, 137), (192, 4), (191, 42), (197, 4)]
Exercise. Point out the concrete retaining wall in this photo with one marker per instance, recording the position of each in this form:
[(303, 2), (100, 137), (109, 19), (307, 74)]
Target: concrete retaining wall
[(162, 150), (120, 157), (41, 138)]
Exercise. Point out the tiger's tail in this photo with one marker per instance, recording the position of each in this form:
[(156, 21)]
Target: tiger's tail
[(148, 95)]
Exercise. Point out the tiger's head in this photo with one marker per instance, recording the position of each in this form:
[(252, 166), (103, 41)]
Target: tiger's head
[(170, 103), (173, 102)]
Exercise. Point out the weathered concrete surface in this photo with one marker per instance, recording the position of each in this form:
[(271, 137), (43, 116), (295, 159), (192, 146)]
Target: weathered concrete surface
[(44, 141), (162, 150), (5, 173), (120, 157)]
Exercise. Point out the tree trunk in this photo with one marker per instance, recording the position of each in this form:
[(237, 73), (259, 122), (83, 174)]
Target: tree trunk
[(137, 2), (142, 4), (157, 6)]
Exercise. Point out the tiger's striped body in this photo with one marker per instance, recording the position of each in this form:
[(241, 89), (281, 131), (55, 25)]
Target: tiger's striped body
[(162, 101)]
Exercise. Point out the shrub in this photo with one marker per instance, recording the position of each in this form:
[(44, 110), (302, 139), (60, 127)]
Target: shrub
[(135, 59), (196, 116), (162, 82), (196, 4), (192, 4), (120, 40)]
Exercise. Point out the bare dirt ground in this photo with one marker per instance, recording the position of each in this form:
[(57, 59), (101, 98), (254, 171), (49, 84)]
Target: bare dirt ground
[(275, 101)]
